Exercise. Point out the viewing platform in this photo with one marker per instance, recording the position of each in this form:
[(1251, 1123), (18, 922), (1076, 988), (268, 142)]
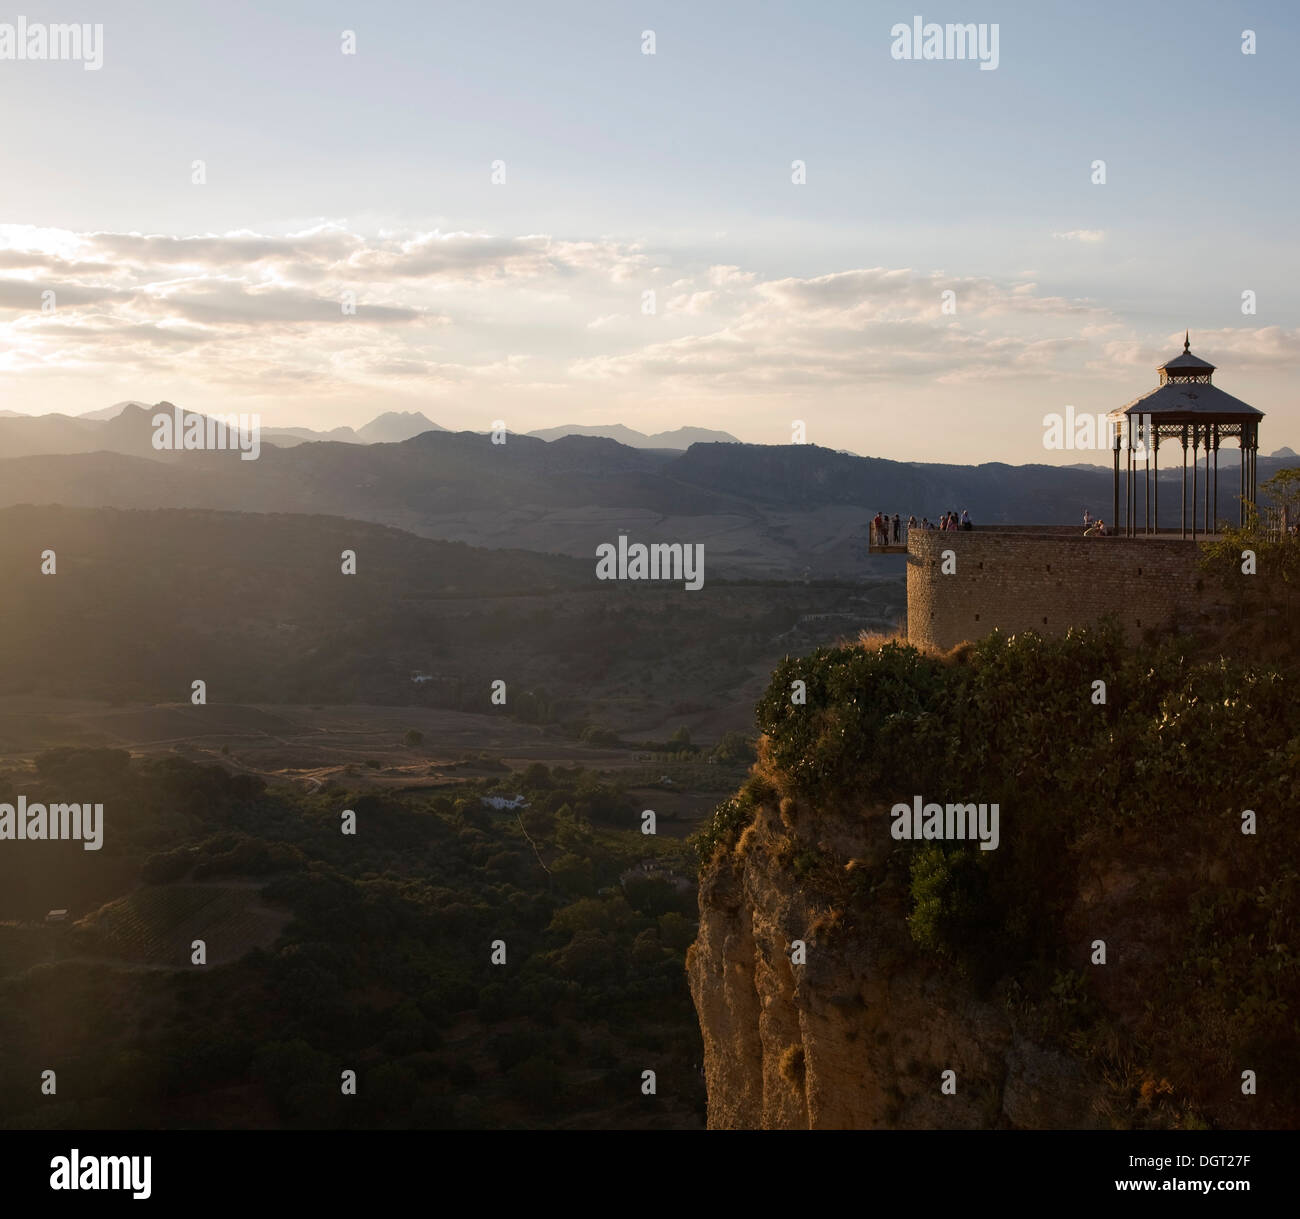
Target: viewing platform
[(964, 583), (1048, 531)]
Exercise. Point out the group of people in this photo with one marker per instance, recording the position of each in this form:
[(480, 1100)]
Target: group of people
[(1093, 527), (885, 527), (887, 530)]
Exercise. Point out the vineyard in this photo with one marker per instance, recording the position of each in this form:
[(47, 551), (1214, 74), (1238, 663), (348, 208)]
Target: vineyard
[(157, 924)]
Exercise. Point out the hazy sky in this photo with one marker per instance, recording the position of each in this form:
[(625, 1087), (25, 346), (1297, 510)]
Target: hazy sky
[(627, 173)]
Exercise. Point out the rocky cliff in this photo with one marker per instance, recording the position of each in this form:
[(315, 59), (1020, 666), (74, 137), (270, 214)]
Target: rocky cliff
[(858, 1036), (840, 972)]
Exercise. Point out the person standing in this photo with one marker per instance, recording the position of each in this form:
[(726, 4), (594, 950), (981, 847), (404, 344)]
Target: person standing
[(897, 528)]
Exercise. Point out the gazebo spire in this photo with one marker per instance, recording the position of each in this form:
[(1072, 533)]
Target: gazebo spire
[(1187, 340)]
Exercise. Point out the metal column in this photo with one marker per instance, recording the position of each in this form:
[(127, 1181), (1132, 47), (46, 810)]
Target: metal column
[(1155, 483), (1205, 511), (1196, 436), (1182, 518), (1215, 513), (1146, 486), (1241, 480), (1114, 519)]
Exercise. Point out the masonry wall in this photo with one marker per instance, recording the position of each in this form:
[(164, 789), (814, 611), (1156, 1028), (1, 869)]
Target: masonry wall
[(1047, 580)]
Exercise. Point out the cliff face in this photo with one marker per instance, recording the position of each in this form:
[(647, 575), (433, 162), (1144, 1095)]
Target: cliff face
[(1122, 954), (859, 1035)]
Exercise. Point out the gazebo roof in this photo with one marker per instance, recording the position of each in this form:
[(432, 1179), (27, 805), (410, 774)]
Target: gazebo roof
[(1187, 362), (1199, 402), (1188, 396)]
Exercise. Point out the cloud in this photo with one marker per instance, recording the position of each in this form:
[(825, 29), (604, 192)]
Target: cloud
[(1091, 236), (25, 295), (261, 313), (1258, 348), (225, 252), (1248, 346), (848, 327), (226, 302)]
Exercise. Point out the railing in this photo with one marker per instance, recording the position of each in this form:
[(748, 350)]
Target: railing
[(883, 542), (1275, 526)]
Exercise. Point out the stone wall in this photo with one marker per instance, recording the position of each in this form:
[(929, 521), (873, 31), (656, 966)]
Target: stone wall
[(1049, 579)]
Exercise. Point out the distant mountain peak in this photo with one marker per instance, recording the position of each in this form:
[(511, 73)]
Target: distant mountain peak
[(392, 427), (112, 412)]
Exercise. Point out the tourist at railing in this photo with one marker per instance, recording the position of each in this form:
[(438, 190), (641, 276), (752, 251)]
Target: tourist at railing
[(885, 527)]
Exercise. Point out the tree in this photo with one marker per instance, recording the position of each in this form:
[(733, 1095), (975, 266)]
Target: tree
[(1283, 492), (735, 747), (1277, 557), (537, 776)]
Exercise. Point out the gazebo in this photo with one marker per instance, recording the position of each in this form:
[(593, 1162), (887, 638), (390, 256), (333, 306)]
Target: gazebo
[(1186, 408)]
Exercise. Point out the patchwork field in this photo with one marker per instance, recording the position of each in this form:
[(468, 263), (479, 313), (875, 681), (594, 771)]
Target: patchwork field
[(156, 925), (363, 748)]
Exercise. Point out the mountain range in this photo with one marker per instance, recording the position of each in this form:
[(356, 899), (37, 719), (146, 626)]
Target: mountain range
[(91, 431), (761, 511), (678, 438)]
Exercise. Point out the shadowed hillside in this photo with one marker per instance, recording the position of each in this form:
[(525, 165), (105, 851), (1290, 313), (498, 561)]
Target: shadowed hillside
[(143, 603), (783, 512)]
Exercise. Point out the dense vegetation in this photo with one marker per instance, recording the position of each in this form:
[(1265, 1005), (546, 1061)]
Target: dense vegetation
[(1267, 600), (384, 966)]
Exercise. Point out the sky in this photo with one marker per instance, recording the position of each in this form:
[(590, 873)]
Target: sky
[(645, 254)]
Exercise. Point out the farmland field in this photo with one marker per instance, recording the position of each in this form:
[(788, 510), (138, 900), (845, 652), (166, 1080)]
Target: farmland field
[(156, 924)]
